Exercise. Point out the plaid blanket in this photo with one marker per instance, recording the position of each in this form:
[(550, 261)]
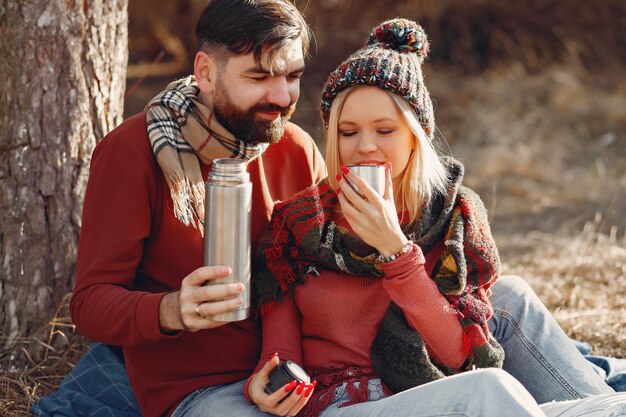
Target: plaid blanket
[(97, 387)]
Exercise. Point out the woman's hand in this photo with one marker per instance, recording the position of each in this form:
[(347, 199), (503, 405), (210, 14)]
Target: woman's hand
[(281, 402), (373, 218)]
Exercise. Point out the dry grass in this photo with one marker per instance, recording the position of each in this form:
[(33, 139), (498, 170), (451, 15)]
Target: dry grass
[(550, 165), (23, 378), (581, 279)]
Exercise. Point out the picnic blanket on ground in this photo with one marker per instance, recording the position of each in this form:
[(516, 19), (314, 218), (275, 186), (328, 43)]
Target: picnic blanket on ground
[(97, 387), (613, 370)]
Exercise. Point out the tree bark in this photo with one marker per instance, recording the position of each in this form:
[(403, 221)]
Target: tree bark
[(62, 77)]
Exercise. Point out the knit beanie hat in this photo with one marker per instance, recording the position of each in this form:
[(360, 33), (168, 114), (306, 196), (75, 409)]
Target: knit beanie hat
[(392, 60)]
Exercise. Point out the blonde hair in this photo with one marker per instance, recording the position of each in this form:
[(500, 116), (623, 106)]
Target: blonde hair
[(424, 174)]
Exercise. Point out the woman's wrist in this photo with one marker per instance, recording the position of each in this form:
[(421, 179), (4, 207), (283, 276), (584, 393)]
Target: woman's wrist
[(390, 256), (392, 246)]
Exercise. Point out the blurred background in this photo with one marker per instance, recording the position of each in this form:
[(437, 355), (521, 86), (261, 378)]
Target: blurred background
[(529, 96)]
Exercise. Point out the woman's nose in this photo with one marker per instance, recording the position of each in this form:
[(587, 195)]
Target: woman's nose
[(367, 144)]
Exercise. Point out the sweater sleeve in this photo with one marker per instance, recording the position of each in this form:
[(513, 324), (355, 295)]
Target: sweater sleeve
[(281, 334), (117, 217), (425, 308)]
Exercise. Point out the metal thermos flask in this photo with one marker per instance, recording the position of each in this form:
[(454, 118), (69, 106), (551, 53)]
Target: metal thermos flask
[(227, 227)]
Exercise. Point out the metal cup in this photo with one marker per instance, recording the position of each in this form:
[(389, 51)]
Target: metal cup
[(373, 175)]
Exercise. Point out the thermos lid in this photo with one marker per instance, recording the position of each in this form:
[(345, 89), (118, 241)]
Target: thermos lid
[(228, 170), (294, 370), (284, 373)]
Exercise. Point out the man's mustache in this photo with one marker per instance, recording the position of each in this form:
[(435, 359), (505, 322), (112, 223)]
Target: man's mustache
[(271, 108)]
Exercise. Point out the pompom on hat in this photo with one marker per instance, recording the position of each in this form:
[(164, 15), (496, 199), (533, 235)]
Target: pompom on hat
[(392, 60)]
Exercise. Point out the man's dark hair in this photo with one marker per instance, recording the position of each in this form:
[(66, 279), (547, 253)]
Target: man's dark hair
[(244, 26)]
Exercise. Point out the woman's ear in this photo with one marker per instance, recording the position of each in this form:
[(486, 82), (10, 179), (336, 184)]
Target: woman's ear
[(204, 70)]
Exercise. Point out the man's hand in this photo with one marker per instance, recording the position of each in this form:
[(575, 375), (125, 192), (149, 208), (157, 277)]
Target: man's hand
[(288, 400), (186, 309)]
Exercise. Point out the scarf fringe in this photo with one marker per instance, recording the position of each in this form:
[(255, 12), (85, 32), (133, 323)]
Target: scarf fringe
[(188, 200), (197, 197), (322, 398)]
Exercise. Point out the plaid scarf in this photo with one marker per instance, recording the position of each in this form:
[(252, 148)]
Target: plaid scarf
[(181, 130), (302, 237)]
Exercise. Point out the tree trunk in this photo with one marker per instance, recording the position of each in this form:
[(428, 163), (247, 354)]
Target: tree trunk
[(62, 76)]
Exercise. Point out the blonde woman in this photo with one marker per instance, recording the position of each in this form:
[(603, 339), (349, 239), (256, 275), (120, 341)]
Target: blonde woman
[(383, 298)]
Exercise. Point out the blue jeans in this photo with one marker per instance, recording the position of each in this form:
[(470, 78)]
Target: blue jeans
[(481, 393), (612, 370), (538, 354), (499, 395)]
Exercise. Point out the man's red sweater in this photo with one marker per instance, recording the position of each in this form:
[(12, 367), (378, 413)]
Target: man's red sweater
[(133, 251)]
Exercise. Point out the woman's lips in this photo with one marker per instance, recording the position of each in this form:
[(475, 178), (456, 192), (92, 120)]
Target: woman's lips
[(369, 162)]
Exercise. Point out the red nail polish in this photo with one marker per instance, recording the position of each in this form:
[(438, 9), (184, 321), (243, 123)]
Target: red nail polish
[(338, 177), (338, 190), (300, 388), (344, 169), (310, 389), (274, 355), (290, 386), (388, 166)]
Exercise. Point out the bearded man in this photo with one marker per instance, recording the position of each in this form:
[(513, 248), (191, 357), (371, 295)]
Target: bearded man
[(140, 273)]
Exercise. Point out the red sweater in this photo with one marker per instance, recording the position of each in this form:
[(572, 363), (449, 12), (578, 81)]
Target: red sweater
[(331, 320), (133, 251)]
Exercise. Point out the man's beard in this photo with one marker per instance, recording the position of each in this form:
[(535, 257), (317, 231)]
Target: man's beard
[(243, 123)]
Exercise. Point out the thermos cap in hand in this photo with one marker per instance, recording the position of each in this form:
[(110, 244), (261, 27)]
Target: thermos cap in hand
[(284, 373)]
